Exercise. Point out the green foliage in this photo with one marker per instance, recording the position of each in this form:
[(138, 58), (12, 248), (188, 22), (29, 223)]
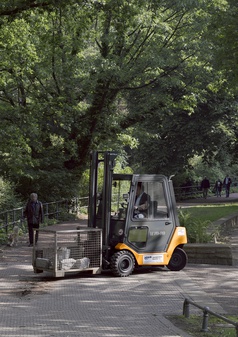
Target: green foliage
[(50, 222), (198, 220), (139, 77), (216, 326), (196, 228), (3, 236), (8, 199), (211, 212), (64, 216), (224, 26)]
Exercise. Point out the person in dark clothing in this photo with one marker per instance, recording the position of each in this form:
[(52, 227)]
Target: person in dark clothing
[(142, 202), (205, 185), (227, 183), (34, 214), (218, 187)]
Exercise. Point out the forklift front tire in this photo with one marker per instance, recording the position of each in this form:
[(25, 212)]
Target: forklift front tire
[(178, 260), (122, 263)]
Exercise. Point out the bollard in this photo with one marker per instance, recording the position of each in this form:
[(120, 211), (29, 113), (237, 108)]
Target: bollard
[(206, 312), (205, 320), (186, 308)]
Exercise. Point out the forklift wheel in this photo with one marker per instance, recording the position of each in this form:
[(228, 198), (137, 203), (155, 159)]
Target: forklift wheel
[(122, 263), (178, 260)]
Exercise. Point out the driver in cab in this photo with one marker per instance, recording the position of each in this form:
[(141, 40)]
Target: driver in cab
[(142, 202)]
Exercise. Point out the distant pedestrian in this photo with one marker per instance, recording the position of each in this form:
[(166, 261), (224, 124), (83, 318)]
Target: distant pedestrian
[(34, 214), (227, 183), (218, 187), (205, 185)]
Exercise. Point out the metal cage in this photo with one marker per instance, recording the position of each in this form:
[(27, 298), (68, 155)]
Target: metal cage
[(67, 251)]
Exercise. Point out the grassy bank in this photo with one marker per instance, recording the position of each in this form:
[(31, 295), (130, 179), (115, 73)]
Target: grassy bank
[(211, 213), (198, 221)]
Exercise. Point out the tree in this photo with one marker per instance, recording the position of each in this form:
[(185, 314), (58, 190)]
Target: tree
[(195, 114), (84, 75)]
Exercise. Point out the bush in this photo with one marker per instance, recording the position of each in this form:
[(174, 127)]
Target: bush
[(8, 199), (196, 229)]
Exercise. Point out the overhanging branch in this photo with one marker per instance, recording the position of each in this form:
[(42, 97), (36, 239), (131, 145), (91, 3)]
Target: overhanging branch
[(28, 5)]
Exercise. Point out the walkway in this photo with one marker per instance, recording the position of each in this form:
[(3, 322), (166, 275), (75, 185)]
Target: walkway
[(210, 200), (103, 305), (99, 305)]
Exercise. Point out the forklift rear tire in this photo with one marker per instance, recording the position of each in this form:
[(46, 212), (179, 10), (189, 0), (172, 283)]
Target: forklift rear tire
[(178, 260), (122, 263)]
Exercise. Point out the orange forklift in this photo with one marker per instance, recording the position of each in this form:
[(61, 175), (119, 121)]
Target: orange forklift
[(138, 218), (132, 222)]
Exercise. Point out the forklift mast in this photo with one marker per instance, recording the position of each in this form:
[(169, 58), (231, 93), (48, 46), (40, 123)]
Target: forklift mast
[(100, 196)]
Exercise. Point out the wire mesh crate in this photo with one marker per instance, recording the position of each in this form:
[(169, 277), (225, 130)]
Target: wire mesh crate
[(67, 251)]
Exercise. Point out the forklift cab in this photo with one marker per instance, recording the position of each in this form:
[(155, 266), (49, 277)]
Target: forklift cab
[(138, 217)]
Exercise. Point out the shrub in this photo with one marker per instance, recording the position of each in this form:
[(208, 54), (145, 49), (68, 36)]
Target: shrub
[(196, 229), (8, 199)]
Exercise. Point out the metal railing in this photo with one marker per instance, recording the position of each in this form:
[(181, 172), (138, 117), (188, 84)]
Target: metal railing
[(195, 191), (75, 205), (51, 210), (186, 192), (206, 312), (11, 217)]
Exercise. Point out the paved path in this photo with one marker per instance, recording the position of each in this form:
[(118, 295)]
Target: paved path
[(233, 198), (103, 305), (220, 282)]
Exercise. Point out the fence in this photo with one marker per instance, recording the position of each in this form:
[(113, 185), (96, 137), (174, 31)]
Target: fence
[(186, 192), (194, 191), (206, 311), (75, 205), (51, 210)]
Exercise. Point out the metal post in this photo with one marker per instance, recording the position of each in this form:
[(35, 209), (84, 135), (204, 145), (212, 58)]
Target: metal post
[(14, 216), (47, 211), (205, 320), (22, 217), (186, 308), (57, 210), (6, 222), (57, 262)]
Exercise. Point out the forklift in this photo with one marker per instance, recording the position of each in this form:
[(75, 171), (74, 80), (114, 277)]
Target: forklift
[(132, 222), (138, 218)]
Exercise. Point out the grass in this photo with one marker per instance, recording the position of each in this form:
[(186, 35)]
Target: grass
[(199, 221), (211, 212), (216, 326)]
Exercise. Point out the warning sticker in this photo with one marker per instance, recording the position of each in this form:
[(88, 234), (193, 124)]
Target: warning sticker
[(158, 258), (181, 231)]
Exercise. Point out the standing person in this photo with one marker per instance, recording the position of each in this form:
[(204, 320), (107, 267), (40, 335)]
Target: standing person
[(218, 187), (34, 214), (227, 183), (205, 185)]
